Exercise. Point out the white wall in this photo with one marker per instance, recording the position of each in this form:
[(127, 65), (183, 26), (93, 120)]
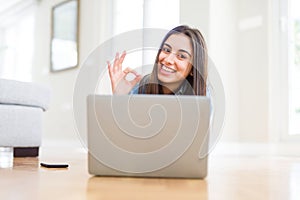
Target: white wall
[(58, 120), (195, 13), (223, 52), (253, 74), (278, 72)]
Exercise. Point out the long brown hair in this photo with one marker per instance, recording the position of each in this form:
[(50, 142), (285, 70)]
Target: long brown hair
[(199, 63)]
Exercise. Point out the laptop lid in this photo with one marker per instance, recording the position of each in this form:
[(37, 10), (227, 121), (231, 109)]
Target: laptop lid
[(148, 135)]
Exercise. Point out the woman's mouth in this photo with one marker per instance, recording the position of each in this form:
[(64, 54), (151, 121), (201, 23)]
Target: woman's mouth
[(167, 69)]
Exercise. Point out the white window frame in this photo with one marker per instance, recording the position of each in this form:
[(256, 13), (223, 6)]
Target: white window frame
[(280, 52)]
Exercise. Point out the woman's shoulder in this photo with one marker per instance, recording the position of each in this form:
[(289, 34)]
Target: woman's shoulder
[(144, 79)]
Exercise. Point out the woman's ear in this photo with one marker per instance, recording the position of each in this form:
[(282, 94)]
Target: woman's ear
[(191, 73)]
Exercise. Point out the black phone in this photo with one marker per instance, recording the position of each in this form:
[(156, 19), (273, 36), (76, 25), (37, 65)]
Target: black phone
[(56, 165)]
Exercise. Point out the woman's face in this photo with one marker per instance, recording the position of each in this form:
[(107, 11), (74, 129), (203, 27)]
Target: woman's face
[(174, 61)]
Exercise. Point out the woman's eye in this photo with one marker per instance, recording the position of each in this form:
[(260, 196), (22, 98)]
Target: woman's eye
[(182, 56), (166, 49)]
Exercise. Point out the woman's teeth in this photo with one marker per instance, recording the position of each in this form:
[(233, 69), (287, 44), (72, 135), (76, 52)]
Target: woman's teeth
[(167, 69)]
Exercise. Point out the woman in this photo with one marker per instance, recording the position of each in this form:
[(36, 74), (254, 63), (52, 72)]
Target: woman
[(180, 67)]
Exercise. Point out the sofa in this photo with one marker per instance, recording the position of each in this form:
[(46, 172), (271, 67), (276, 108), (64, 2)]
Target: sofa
[(21, 108)]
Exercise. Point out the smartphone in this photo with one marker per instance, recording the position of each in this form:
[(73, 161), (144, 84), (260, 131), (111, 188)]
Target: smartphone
[(56, 165)]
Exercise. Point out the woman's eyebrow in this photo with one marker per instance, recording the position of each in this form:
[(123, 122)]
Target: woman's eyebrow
[(182, 50), (168, 45)]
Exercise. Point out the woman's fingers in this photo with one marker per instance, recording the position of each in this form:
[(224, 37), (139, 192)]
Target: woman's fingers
[(122, 57), (136, 79), (128, 70), (122, 81), (116, 62), (117, 66), (109, 69), (108, 65)]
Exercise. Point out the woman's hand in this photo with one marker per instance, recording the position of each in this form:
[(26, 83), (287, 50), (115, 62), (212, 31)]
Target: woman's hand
[(119, 83)]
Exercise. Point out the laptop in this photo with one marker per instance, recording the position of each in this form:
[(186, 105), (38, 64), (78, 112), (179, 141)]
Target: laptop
[(148, 135)]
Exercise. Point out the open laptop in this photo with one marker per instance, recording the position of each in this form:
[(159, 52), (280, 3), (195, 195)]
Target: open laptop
[(148, 135)]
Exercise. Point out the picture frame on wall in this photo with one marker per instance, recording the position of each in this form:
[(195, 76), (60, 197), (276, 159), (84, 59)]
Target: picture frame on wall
[(64, 48)]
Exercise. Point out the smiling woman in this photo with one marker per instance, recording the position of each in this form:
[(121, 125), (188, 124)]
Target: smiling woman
[(174, 62), (180, 67)]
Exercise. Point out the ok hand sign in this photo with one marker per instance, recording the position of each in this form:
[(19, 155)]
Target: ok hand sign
[(119, 83)]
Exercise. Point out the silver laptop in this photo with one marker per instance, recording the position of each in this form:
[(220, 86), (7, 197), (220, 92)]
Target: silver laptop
[(148, 135)]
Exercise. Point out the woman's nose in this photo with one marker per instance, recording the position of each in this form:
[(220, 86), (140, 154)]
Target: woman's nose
[(170, 58)]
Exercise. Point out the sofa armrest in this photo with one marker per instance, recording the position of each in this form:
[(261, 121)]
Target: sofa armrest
[(24, 93)]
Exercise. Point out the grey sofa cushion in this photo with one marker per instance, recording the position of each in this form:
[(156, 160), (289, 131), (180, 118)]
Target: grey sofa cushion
[(20, 126), (24, 93)]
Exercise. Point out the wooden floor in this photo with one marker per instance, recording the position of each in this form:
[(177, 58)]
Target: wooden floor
[(233, 174)]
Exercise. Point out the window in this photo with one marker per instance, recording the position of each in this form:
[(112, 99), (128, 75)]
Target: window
[(294, 66), (17, 40), (135, 15), (139, 14)]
